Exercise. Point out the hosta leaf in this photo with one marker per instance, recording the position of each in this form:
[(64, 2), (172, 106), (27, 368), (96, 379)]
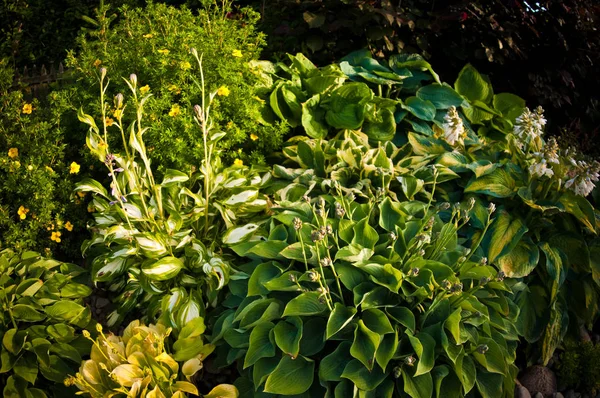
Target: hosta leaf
[(427, 145), (223, 391), (387, 349), (472, 85), (499, 183), (291, 376), (579, 207), (362, 377), (127, 374), (26, 313), (410, 185), (390, 215), (489, 384), (332, 366), (377, 321), (164, 269), (65, 310), (365, 345), (239, 234), (313, 118), (423, 109), (90, 185), (339, 318), (309, 303), (364, 234), (521, 260), (424, 346), (27, 367), (288, 334), (173, 177), (417, 386), (504, 234), (510, 105), (261, 344), (441, 96), (403, 316)]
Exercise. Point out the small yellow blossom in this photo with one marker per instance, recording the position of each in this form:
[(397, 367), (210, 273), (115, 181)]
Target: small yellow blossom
[(17, 164), (164, 51), (109, 122), (13, 153), (174, 88), (81, 194), (69, 226), (144, 89), (50, 227), (97, 63), (49, 169), (102, 145), (223, 91), (30, 167), (22, 212), (238, 162), (74, 168), (91, 208), (148, 36), (55, 236), (27, 109), (118, 113), (175, 111), (253, 137), (185, 65), (237, 53)]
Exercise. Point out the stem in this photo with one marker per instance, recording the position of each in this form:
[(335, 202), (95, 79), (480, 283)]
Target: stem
[(303, 252)]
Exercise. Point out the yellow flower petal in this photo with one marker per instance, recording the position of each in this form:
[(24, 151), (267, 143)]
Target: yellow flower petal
[(74, 168), (223, 91), (238, 162), (27, 109), (13, 153), (253, 137), (237, 53)]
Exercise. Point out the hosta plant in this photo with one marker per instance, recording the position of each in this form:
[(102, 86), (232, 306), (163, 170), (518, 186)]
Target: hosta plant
[(42, 310), (146, 362), (488, 146), (155, 244), (356, 289)]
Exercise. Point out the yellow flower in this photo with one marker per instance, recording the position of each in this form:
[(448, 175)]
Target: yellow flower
[(256, 97), (237, 53), (49, 169), (50, 227), (30, 167), (17, 164), (238, 162), (118, 113), (74, 168), (97, 63), (27, 108), (22, 212), (109, 121), (13, 153), (148, 36), (174, 88), (91, 208), (69, 226), (81, 194), (185, 65), (144, 89), (55, 236), (223, 91), (175, 111), (253, 137), (164, 51)]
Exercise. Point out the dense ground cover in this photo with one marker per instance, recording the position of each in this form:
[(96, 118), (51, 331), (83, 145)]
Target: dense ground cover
[(263, 228)]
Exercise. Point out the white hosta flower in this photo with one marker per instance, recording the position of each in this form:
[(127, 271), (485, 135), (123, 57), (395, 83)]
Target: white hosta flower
[(582, 178), (454, 131), (540, 169), (529, 127)]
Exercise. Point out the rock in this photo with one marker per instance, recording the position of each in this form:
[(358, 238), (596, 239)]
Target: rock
[(558, 395), (538, 395), (101, 302), (584, 335), (539, 379), (521, 392)]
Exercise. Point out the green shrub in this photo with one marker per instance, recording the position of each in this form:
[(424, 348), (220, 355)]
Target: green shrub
[(143, 363), (577, 366), (355, 285), (487, 146), (38, 209), (155, 245), (42, 308), (154, 43)]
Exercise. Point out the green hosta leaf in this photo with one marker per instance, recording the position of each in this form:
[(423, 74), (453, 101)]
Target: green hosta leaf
[(309, 303), (57, 371), (418, 386), (377, 321), (554, 332), (339, 318), (424, 110), (362, 377), (173, 177), (105, 269), (313, 336), (61, 332), (354, 254), (494, 359), (26, 313), (504, 234), (403, 316), (241, 197), (313, 118), (381, 127), (579, 207), (65, 310), (223, 391), (424, 346), (346, 106), (270, 249), (261, 344), (26, 367), (288, 334), (364, 234), (427, 145), (499, 183), (510, 105), (90, 185), (532, 303), (291, 376), (151, 245), (574, 247), (521, 260), (473, 86), (452, 324), (239, 234), (441, 96), (390, 215), (65, 351), (387, 349), (332, 366), (75, 290), (410, 185), (261, 274), (29, 287), (489, 384), (365, 345), (164, 269), (555, 260), (594, 248)]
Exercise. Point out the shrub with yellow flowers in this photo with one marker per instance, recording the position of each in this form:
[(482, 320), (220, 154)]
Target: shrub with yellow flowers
[(37, 170), (155, 43)]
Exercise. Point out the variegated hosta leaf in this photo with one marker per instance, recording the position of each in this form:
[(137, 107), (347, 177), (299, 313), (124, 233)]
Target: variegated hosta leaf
[(164, 269), (219, 268), (151, 245)]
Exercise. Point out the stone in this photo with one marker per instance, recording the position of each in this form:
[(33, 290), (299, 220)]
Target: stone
[(584, 335), (101, 302), (558, 395), (538, 395), (539, 379), (521, 392)]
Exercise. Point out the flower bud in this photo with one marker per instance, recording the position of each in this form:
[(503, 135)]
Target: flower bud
[(194, 51), (313, 276), (297, 223), (491, 208), (133, 79), (198, 112), (482, 349), (118, 101), (102, 73), (410, 361), (483, 261)]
